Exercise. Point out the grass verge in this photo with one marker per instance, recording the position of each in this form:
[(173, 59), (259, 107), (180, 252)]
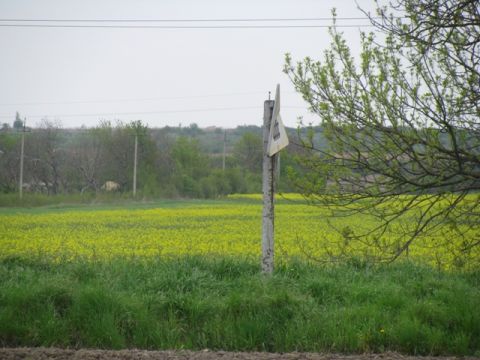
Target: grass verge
[(196, 303)]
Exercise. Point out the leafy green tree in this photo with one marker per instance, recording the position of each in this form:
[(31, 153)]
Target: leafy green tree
[(18, 123), (402, 123), (46, 158), (191, 165), (237, 180), (147, 152), (164, 164), (87, 161), (248, 152), (9, 161), (215, 184)]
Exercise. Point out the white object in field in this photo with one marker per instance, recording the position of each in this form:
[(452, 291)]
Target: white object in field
[(277, 138), (110, 186)]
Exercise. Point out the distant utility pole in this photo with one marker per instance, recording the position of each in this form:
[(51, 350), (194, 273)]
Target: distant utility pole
[(135, 165), (224, 149), (20, 185), (268, 192)]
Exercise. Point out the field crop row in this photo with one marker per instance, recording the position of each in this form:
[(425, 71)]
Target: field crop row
[(225, 228)]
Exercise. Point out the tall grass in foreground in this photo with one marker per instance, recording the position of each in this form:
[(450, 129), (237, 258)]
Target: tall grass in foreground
[(197, 303)]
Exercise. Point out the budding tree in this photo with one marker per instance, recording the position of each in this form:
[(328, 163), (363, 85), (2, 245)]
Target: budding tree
[(402, 126)]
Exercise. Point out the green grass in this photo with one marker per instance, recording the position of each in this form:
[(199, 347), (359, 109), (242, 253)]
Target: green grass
[(197, 303), (36, 200), (43, 204)]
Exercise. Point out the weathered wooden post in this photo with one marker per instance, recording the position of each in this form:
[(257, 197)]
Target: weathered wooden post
[(274, 139), (268, 193)]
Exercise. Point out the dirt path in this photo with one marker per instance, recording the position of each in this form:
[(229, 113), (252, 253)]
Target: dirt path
[(85, 354)]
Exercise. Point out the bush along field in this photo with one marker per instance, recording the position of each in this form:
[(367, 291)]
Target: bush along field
[(186, 275)]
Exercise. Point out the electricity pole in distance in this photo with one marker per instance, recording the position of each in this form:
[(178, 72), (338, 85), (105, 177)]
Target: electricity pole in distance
[(224, 149), (135, 164), (22, 151)]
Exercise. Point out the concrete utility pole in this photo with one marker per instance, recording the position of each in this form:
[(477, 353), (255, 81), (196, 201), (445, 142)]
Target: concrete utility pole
[(274, 139), (268, 192), (20, 185), (224, 149), (135, 166)]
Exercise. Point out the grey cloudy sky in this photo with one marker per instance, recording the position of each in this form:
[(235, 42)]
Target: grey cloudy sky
[(162, 76)]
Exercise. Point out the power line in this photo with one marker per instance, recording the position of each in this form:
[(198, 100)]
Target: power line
[(113, 23), (153, 112), (143, 112), (192, 20), (184, 27), (132, 100)]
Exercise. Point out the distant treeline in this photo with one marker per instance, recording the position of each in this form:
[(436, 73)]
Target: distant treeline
[(172, 161)]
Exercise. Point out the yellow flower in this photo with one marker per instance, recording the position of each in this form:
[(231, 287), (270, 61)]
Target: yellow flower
[(231, 229)]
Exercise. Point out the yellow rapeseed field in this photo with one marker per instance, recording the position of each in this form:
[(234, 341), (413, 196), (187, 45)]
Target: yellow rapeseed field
[(227, 228)]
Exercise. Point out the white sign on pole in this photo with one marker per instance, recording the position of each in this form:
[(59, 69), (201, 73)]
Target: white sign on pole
[(277, 138)]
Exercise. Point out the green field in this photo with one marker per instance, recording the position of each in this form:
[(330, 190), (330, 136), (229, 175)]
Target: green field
[(185, 274), (195, 303)]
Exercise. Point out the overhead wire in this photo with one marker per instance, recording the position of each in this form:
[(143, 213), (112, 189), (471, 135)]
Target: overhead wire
[(148, 112), (131, 100), (113, 23), (184, 27), (187, 23), (151, 112), (190, 20)]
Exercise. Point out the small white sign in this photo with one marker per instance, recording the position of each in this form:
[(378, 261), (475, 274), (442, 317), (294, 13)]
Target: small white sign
[(277, 138)]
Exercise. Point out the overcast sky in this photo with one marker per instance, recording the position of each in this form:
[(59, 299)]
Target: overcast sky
[(212, 77)]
